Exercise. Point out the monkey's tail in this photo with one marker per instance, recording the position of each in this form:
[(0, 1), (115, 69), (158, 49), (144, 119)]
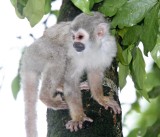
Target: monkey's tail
[(30, 87)]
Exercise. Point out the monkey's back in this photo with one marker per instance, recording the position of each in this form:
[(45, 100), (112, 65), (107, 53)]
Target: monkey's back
[(51, 49)]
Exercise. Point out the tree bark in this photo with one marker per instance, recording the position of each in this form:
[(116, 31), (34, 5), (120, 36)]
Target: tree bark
[(105, 123)]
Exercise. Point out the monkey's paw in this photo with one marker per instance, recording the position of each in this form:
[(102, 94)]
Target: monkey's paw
[(110, 102), (73, 125)]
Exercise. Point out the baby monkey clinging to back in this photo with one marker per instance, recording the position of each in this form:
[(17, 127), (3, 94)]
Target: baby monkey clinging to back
[(60, 57)]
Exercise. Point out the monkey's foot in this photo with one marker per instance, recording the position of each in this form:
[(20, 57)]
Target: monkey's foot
[(110, 102), (73, 125)]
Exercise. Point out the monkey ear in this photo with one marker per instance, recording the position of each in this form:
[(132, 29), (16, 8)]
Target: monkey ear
[(101, 29)]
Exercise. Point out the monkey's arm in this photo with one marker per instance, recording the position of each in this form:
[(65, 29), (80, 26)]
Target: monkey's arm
[(95, 82)]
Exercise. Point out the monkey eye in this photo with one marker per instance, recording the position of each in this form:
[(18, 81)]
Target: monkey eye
[(80, 37)]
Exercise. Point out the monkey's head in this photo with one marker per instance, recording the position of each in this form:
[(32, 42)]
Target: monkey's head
[(88, 31)]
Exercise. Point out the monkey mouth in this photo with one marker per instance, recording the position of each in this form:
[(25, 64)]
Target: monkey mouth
[(79, 47)]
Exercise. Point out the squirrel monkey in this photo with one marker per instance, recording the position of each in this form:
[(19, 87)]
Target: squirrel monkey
[(60, 57)]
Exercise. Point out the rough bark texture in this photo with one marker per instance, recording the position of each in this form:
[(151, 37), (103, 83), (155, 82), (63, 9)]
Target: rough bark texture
[(105, 124)]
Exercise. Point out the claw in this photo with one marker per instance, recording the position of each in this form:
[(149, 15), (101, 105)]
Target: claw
[(110, 102), (75, 125)]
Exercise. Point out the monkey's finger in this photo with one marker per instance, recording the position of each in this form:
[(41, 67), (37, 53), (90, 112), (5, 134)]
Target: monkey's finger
[(114, 109), (72, 126), (87, 119), (75, 126), (106, 107), (69, 126), (80, 124)]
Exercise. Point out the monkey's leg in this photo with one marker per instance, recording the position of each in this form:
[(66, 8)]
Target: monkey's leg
[(95, 83), (73, 98), (50, 81), (30, 87)]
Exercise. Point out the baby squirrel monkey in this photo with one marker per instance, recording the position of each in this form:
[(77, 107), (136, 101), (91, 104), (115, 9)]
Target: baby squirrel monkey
[(60, 57)]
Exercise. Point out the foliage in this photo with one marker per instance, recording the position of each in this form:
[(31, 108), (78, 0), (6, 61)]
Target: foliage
[(133, 21)]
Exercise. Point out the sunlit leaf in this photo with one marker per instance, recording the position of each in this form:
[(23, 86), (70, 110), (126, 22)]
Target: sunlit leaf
[(132, 36), (15, 86), (47, 6), (110, 7), (132, 12), (34, 11), (18, 5), (156, 52), (83, 5), (138, 69), (150, 29)]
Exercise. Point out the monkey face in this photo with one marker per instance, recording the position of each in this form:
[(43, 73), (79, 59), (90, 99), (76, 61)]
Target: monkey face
[(80, 38)]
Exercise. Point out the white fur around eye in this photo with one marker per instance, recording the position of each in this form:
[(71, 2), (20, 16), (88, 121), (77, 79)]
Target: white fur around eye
[(84, 33)]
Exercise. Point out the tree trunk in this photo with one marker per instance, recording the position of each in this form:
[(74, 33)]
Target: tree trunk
[(105, 123)]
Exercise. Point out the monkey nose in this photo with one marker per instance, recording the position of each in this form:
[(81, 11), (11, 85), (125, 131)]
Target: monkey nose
[(78, 46)]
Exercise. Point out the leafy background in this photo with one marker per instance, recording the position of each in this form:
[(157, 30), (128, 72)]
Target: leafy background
[(134, 23)]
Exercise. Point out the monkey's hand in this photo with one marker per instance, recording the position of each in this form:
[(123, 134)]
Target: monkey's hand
[(74, 125), (108, 101)]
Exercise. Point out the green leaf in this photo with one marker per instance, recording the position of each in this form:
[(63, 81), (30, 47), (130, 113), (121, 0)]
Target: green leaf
[(156, 52), (136, 106), (92, 2), (47, 7), (14, 2), (154, 93), (122, 74), (34, 11), (110, 7), (144, 93), (150, 29), (138, 69), (55, 12), (19, 5), (133, 133), (153, 78), (127, 54), (15, 86), (132, 12), (97, 1), (132, 36), (137, 132), (119, 54), (83, 5), (124, 66), (122, 32)]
